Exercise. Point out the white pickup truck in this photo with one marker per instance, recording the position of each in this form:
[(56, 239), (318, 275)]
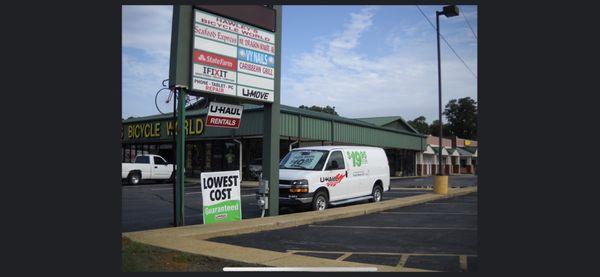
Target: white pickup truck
[(146, 167)]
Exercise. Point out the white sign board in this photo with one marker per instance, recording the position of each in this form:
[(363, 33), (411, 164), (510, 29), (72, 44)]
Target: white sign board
[(232, 58), (221, 200), (224, 115)]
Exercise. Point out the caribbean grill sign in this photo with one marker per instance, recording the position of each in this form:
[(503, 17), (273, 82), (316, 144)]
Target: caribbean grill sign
[(224, 115), (221, 201), (232, 58)]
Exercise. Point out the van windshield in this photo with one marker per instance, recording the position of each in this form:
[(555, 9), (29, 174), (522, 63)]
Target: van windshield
[(304, 160)]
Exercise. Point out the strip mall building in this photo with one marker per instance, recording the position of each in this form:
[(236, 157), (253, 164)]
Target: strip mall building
[(215, 149)]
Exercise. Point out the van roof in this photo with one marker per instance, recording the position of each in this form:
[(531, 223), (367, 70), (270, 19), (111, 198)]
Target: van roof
[(333, 147)]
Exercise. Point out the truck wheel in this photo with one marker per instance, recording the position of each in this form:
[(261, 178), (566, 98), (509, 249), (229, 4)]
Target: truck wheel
[(377, 193), (134, 178), (319, 201)]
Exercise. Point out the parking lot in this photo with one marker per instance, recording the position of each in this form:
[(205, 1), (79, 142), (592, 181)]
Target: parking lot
[(150, 206), (439, 235)]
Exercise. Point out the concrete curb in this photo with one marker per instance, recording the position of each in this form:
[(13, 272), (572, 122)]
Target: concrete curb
[(192, 239)]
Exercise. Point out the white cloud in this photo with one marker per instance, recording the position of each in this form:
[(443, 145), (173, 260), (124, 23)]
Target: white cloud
[(146, 40), (147, 28), (403, 82)]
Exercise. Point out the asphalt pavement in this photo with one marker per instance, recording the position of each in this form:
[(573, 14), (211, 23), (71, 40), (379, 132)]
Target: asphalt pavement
[(439, 235), (150, 206)]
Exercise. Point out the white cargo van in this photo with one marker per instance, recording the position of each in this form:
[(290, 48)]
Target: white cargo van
[(333, 175)]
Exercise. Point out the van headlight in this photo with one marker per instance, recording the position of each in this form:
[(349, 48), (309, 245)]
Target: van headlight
[(299, 186)]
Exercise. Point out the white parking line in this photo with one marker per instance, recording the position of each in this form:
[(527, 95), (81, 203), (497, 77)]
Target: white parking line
[(402, 261), (380, 253), (448, 203), (343, 257), (428, 213), (396, 228)]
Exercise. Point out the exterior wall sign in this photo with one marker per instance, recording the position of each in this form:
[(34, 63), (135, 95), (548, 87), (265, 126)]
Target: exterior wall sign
[(162, 129), (232, 58), (221, 200), (224, 115)]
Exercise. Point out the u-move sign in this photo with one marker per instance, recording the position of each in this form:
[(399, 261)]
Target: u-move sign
[(221, 201), (224, 115)]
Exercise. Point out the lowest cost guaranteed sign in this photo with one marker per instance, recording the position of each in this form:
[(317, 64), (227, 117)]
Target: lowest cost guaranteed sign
[(224, 115), (221, 201)]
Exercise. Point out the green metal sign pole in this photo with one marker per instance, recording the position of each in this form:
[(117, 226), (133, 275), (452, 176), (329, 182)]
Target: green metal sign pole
[(180, 186), (270, 160), (179, 79)]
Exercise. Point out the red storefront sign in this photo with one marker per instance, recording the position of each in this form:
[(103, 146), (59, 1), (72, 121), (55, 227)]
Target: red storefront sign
[(215, 60)]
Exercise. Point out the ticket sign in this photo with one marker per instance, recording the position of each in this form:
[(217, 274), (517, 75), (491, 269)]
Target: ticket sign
[(221, 200), (224, 115), (232, 58)]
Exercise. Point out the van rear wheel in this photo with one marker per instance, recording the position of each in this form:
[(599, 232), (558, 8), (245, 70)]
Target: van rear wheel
[(319, 201), (377, 194)]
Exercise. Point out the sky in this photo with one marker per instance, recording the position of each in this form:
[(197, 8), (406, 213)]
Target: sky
[(367, 61)]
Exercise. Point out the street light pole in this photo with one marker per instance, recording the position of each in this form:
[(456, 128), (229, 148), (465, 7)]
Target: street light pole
[(440, 184), (437, 28)]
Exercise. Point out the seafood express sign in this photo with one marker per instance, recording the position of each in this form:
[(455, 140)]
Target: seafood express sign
[(232, 58)]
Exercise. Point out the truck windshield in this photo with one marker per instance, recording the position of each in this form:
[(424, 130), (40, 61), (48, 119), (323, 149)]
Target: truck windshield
[(304, 160)]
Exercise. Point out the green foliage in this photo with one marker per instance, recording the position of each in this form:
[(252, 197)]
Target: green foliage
[(461, 115), (434, 129), (327, 109), (420, 124)]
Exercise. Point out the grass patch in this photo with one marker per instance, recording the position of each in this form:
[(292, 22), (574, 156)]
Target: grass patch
[(138, 257)]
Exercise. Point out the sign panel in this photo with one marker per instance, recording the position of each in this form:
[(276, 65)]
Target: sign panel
[(214, 73), (224, 115), (232, 58), (213, 86), (221, 200), (215, 60), (255, 93)]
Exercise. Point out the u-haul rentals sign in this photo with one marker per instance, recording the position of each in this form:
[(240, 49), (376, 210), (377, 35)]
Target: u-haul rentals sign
[(232, 58), (221, 200), (224, 115)]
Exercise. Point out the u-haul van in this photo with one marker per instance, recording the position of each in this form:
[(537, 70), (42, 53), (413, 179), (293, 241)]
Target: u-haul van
[(333, 175)]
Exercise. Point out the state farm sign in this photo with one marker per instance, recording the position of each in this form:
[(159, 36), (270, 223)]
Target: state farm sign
[(224, 115), (232, 58)]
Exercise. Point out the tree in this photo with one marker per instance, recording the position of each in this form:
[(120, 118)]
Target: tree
[(420, 124), (327, 109), (434, 129), (462, 118)]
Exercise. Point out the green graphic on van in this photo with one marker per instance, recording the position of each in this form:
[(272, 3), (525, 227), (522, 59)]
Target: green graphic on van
[(358, 157)]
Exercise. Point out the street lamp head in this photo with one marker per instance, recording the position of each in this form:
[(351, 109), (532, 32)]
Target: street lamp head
[(450, 11)]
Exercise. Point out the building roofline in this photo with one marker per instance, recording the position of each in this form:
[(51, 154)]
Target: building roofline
[(284, 109)]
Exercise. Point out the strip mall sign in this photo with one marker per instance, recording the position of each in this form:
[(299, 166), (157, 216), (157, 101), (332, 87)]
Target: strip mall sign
[(232, 58), (224, 115)]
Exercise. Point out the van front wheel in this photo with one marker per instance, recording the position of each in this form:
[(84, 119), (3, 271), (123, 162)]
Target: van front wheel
[(319, 201)]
